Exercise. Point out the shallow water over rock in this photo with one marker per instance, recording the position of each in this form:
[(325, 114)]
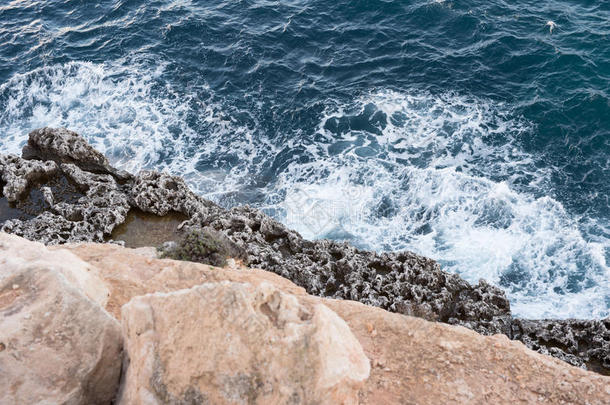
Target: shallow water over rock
[(142, 229)]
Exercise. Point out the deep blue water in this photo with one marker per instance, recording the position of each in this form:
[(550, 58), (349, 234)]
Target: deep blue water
[(468, 131)]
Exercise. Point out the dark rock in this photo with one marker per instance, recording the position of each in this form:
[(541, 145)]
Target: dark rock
[(399, 281), (581, 343), (160, 193)]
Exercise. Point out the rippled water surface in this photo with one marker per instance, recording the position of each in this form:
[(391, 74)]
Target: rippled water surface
[(467, 131)]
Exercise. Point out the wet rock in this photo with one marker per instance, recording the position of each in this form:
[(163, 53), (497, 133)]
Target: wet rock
[(58, 344), (143, 229), (278, 350), (89, 215)]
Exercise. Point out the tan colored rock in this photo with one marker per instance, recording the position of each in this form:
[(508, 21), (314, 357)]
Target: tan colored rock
[(234, 343), (413, 361), (16, 252), (419, 362), (56, 344), (132, 272)]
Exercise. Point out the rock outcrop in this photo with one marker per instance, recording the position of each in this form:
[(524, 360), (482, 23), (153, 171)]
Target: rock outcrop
[(231, 343), (401, 282), (82, 199), (412, 360), (57, 345)]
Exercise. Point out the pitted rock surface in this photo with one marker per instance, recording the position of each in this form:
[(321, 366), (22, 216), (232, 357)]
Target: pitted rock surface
[(65, 146), (581, 343), (160, 193), (19, 174), (400, 281)]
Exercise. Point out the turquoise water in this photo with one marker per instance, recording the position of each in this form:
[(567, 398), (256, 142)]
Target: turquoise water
[(473, 132)]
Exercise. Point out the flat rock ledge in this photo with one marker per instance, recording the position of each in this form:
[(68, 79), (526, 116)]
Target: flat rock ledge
[(195, 334), (61, 190)]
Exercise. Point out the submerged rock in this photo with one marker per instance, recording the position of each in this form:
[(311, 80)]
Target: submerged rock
[(399, 281)]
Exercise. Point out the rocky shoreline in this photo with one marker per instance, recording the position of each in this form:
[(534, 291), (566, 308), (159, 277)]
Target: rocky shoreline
[(97, 323), (61, 190)]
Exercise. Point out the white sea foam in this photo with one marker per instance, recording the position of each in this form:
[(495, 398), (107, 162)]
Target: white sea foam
[(442, 175), (129, 113), (442, 181)]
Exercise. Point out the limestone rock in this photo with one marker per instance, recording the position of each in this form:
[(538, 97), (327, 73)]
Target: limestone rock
[(17, 253), (412, 361), (56, 344), (400, 282), (582, 343), (233, 343), (19, 174), (160, 193), (64, 146), (419, 362)]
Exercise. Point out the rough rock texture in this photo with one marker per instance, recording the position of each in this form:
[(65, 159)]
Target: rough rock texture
[(64, 146), (231, 343), (578, 342), (420, 362), (56, 344), (19, 174), (412, 361), (401, 282)]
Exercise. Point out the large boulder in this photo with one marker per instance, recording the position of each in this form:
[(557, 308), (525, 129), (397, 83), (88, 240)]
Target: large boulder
[(413, 361), (57, 345), (234, 343)]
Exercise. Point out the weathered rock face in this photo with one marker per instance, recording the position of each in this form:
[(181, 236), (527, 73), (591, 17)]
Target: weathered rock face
[(577, 342), (401, 282), (419, 362), (232, 343), (56, 344), (16, 254), (64, 146), (19, 174), (412, 361)]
